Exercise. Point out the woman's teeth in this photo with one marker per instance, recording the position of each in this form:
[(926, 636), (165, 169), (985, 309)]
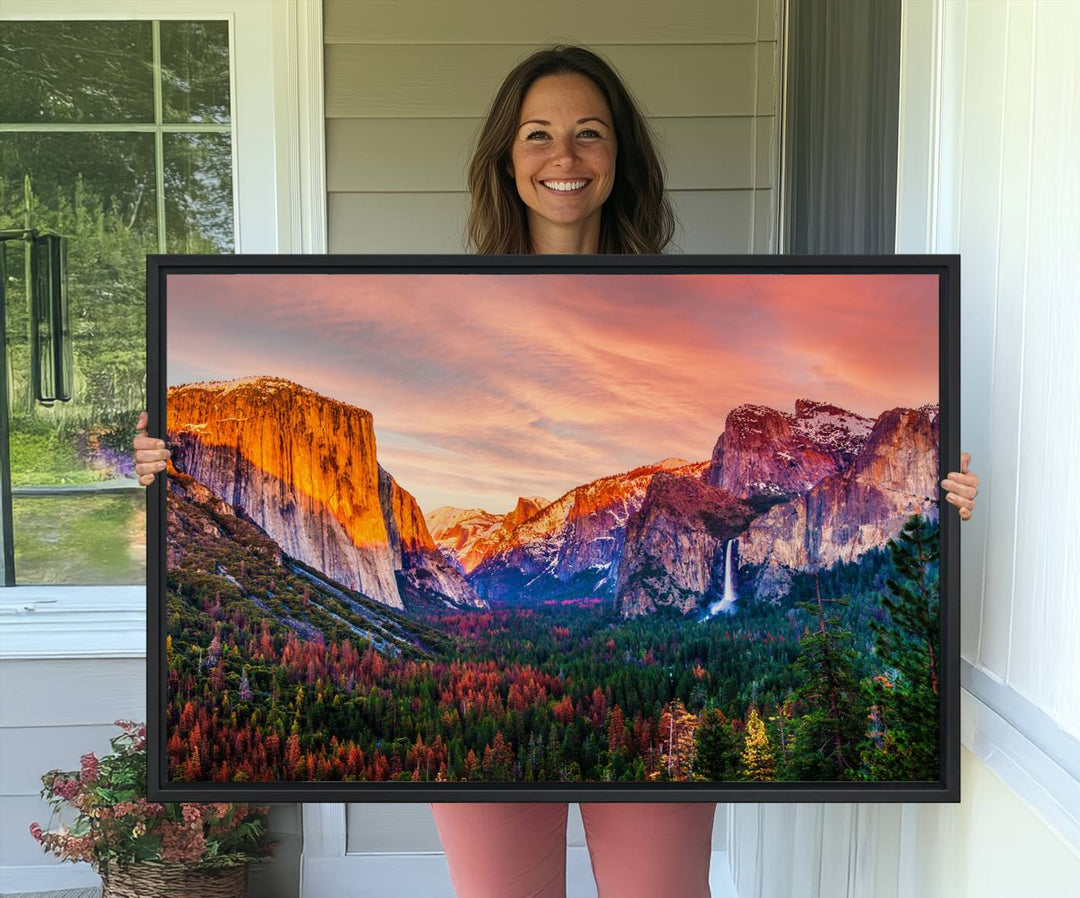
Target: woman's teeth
[(564, 186)]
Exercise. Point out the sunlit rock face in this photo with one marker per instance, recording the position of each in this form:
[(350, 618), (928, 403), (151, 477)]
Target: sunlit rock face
[(304, 468), (467, 536), (415, 554), (573, 545), (763, 452)]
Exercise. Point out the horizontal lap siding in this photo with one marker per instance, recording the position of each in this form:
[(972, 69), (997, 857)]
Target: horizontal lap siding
[(80, 699), (479, 22), (408, 83)]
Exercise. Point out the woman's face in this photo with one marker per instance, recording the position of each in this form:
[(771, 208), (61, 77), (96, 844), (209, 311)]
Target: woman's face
[(563, 154)]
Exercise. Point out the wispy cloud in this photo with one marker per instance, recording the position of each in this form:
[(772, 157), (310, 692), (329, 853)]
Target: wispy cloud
[(484, 388)]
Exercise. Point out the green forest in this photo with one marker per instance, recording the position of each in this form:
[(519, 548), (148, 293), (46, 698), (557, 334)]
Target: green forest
[(283, 676)]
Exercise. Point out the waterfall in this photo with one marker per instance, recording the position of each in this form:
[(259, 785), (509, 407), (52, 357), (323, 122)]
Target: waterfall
[(729, 588), (729, 597)]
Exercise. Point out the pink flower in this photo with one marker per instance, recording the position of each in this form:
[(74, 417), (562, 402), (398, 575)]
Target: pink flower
[(150, 808), (192, 813), (89, 767), (181, 842), (36, 831), (65, 788)]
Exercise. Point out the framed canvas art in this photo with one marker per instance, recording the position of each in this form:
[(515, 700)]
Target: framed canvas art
[(568, 528)]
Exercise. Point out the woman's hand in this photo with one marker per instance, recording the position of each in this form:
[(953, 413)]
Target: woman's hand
[(150, 454), (962, 487)]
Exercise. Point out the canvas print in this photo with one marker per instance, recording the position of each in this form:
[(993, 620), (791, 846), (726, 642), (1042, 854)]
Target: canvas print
[(552, 528)]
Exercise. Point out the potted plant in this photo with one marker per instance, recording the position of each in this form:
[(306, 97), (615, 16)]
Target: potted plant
[(141, 847)]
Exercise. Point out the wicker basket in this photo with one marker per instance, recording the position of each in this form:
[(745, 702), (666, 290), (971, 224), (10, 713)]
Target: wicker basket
[(147, 880)]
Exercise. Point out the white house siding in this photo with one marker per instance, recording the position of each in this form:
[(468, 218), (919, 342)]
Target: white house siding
[(408, 82)]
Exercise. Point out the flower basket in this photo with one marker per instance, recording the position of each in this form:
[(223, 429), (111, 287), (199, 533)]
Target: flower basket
[(174, 881), (147, 849)]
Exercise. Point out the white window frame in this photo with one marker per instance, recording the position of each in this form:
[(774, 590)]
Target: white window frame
[(279, 204)]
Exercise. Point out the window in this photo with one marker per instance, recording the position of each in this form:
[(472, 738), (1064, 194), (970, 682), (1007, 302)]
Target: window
[(116, 135)]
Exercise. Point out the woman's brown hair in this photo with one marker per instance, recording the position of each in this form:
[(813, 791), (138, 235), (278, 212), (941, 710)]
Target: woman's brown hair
[(636, 218)]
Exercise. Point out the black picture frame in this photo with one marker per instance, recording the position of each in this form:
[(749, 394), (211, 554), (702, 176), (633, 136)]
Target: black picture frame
[(946, 789)]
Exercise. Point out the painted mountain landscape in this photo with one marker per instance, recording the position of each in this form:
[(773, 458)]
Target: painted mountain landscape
[(552, 528)]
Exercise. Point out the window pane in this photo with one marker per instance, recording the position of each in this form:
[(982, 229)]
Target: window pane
[(76, 72), (195, 71), (98, 191), (198, 193), (81, 540), (79, 517)]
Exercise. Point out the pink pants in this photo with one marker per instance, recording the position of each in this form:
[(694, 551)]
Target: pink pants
[(647, 850)]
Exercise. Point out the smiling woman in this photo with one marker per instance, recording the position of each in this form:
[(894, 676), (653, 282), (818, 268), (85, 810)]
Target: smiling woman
[(561, 117)]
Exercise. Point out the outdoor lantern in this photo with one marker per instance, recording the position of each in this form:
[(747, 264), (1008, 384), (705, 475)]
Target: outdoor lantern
[(51, 356)]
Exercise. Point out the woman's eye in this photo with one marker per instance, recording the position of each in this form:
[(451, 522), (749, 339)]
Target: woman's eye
[(589, 132), (533, 134)]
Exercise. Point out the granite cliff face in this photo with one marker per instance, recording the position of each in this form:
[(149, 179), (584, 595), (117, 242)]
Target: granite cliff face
[(674, 545), (764, 453), (893, 476), (303, 467), (573, 545), (416, 557), (782, 492)]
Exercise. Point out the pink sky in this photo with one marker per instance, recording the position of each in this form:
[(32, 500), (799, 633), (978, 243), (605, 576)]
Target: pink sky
[(489, 387)]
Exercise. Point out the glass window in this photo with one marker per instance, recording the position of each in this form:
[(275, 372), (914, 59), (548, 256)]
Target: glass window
[(117, 136), (195, 71), (57, 72)]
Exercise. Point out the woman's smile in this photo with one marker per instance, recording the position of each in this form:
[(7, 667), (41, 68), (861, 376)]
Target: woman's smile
[(573, 186)]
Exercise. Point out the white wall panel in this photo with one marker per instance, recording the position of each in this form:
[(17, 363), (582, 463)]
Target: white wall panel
[(989, 167), (1046, 615), (1014, 186), (460, 79)]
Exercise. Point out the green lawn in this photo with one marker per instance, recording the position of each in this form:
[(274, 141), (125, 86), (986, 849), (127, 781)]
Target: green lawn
[(81, 539)]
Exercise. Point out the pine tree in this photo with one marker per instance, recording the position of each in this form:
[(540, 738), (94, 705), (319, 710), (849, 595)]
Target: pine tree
[(829, 732), (616, 730), (909, 646), (717, 748), (757, 758)]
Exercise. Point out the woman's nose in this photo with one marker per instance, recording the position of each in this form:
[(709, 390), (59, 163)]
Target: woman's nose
[(564, 148)]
